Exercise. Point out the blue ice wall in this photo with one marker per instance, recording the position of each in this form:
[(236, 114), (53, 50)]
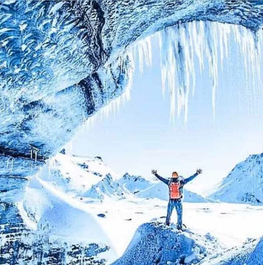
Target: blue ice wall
[(61, 61)]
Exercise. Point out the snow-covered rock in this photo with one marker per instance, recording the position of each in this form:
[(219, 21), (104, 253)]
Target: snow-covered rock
[(256, 256), (154, 243), (244, 184), (251, 253), (160, 191)]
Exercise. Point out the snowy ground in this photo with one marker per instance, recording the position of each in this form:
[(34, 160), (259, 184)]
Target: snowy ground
[(56, 199), (232, 224)]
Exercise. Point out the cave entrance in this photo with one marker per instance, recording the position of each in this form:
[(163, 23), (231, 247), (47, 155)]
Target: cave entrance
[(206, 78)]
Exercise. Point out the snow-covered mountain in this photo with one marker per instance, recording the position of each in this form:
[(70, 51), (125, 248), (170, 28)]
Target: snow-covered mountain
[(90, 178), (134, 184), (244, 184), (106, 187), (143, 188), (160, 191), (71, 198), (74, 179), (75, 175)]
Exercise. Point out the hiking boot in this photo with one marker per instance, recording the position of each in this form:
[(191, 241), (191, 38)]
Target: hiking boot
[(179, 227)]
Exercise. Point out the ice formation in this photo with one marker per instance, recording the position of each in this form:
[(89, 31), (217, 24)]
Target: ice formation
[(188, 46), (63, 61)]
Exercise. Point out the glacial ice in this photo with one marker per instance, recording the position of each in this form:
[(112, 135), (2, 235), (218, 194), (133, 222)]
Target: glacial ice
[(62, 61), (188, 46)]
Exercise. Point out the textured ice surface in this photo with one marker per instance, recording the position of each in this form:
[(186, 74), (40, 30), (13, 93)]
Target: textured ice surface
[(61, 61)]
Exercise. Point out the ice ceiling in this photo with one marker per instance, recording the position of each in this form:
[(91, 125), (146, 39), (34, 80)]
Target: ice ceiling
[(62, 61)]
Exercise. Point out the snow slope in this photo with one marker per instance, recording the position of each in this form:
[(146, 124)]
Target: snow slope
[(60, 214), (244, 184), (53, 203), (251, 253), (75, 175)]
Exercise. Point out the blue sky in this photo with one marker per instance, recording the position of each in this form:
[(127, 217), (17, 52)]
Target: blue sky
[(141, 136)]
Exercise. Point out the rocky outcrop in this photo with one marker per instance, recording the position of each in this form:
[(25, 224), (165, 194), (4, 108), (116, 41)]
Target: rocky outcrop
[(156, 244)]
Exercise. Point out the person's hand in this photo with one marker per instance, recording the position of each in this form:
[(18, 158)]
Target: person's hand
[(154, 171), (199, 171)]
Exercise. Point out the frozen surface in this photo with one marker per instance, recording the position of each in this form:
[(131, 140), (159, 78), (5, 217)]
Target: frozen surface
[(216, 232), (56, 210)]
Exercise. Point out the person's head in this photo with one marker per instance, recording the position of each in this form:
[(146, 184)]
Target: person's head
[(175, 175)]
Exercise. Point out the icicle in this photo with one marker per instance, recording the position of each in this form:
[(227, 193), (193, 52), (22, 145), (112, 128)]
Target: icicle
[(114, 105), (143, 50), (177, 66), (180, 47), (250, 47), (212, 55)]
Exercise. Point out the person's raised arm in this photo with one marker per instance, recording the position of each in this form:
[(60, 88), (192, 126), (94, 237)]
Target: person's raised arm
[(198, 171), (166, 181)]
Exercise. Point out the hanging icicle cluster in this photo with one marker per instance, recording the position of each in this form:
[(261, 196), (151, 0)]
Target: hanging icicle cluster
[(203, 42), (186, 47)]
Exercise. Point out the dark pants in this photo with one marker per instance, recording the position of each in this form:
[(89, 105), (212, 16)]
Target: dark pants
[(177, 204)]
